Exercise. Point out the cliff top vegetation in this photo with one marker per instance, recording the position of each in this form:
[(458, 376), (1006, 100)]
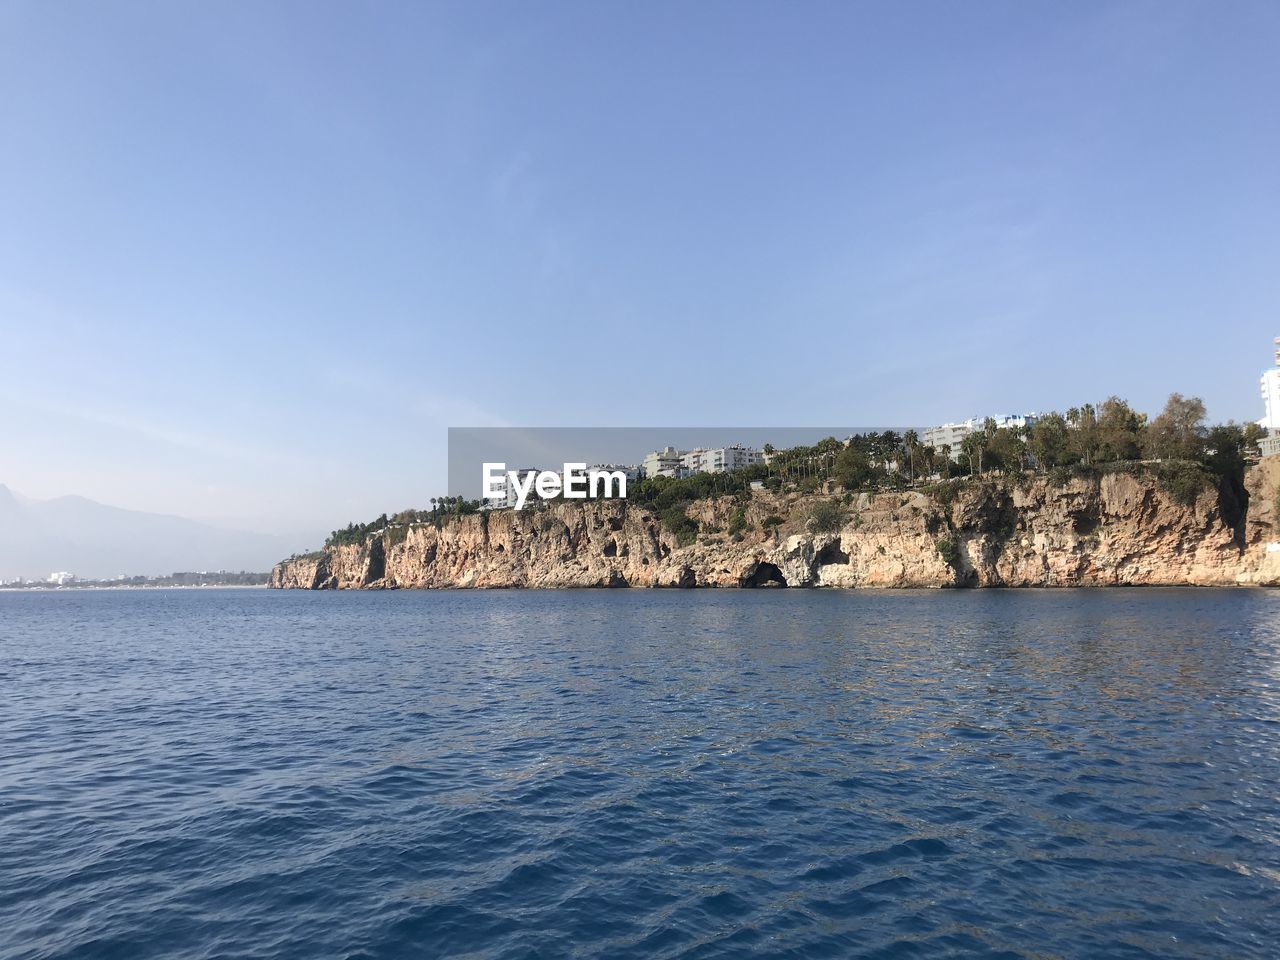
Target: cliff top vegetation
[(1185, 454)]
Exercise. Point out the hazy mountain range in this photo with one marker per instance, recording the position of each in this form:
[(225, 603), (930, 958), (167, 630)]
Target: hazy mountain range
[(94, 540)]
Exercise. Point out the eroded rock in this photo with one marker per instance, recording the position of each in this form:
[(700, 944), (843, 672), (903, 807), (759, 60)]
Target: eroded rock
[(1120, 528)]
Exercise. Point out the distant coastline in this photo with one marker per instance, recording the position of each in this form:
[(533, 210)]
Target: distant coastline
[(46, 588), (185, 580)]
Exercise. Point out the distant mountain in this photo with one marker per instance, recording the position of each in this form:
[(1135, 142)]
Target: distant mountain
[(93, 540)]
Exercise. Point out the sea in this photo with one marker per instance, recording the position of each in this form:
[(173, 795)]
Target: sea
[(243, 773)]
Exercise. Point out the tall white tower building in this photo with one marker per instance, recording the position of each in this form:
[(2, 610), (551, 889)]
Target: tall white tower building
[(1271, 396)]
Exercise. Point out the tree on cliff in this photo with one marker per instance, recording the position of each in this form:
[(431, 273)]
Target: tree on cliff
[(974, 446), (1050, 441), (853, 469), (1005, 450), (1250, 437), (911, 444), (1179, 432), (1118, 430), (1084, 432), (1224, 450)]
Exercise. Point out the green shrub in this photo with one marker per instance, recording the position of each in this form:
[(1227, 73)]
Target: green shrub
[(771, 521), (355, 533), (680, 524), (664, 492), (737, 523), (1183, 480), (944, 494), (948, 551), (826, 516)]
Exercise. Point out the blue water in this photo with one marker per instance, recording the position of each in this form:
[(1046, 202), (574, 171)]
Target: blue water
[(623, 774)]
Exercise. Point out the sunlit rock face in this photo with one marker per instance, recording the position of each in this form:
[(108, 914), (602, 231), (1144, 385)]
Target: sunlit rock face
[(1119, 529)]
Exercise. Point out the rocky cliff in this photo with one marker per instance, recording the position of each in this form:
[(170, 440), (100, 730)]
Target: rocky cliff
[(1120, 528)]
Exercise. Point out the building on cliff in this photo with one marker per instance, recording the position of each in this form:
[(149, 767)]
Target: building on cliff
[(950, 436), (670, 462), (1270, 446), (507, 489), (721, 459), (1271, 395), (628, 470), (663, 463)]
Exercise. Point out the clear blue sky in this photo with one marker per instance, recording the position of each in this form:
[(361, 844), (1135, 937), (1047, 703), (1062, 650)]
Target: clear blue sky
[(256, 257)]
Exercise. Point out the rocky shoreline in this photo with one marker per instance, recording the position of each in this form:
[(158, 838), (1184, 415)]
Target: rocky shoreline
[(1116, 529)]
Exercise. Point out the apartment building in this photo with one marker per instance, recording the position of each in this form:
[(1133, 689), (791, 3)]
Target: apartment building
[(951, 435), (721, 459), (1271, 404), (663, 463)]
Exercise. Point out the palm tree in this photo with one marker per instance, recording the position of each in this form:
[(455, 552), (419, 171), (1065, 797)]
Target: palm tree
[(974, 445), (911, 441), (929, 456)]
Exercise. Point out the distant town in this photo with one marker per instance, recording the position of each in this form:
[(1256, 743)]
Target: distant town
[(64, 580)]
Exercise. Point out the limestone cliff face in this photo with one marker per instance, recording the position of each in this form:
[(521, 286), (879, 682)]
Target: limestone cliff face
[(1261, 526), (1116, 529)]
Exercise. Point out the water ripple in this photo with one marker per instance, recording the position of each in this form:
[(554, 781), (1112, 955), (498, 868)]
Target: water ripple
[(1030, 775)]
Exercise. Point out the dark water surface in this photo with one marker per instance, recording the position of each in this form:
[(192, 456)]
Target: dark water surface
[(625, 774)]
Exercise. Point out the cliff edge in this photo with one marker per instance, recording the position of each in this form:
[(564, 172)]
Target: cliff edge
[(1117, 528)]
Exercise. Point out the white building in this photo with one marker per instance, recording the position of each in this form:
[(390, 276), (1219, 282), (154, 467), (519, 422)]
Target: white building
[(61, 577), (583, 476), (630, 471), (508, 489), (721, 459), (663, 463), (1271, 395), (951, 435), (1270, 446)]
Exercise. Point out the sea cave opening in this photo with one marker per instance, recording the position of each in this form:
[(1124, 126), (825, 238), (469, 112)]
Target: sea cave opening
[(830, 554), (765, 575)]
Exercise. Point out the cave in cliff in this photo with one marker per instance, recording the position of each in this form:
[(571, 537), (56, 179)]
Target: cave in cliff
[(831, 554), (764, 575)]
